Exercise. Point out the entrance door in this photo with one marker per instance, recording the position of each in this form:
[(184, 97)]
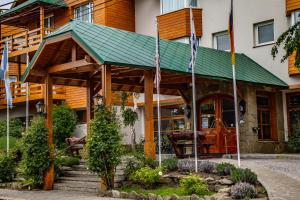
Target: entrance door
[(217, 121)]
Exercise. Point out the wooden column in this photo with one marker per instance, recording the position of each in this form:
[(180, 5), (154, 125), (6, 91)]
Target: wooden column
[(149, 146), (42, 25), (106, 84), (48, 99), (89, 106)]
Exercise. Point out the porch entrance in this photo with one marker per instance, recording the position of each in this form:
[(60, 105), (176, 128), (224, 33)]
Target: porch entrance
[(217, 122)]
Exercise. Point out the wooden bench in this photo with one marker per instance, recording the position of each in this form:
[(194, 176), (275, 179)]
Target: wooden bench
[(75, 144)]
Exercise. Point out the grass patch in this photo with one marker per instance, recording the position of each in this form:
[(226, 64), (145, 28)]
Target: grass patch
[(12, 143), (161, 190)]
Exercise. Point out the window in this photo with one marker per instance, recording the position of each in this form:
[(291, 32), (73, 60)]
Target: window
[(266, 116), (221, 41), (293, 106), (49, 21), (186, 40), (84, 12), (172, 5), (264, 33), (295, 17)]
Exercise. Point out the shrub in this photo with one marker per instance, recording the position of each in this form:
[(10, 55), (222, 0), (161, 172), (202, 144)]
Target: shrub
[(170, 164), (193, 184), (242, 191), (7, 169), (206, 166), (68, 161), (36, 157), (15, 127), (225, 169), (294, 142), (3, 143), (64, 122), (244, 175), (146, 176), (104, 144)]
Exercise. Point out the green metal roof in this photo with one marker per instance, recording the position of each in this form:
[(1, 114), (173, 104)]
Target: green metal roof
[(123, 48), (59, 3)]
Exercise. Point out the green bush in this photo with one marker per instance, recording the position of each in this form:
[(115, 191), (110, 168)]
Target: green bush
[(244, 175), (170, 164), (146, 176), (294, 142), (36, 157), (68, 161), (64, 123), (15, 127), (193, 184), (104, 144), (7, 169), (3, 143), (225, 169)]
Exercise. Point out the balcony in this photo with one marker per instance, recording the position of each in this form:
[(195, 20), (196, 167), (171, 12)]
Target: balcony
[(292, 5), (293, 70), (36, 92), (23, 42), (176, 24)]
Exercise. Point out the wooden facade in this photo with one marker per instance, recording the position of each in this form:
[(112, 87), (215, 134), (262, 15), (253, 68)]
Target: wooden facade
[(293, 70), (176, 24), (292, 5)]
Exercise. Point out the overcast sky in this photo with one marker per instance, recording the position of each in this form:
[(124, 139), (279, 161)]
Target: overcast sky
[(4, 2)]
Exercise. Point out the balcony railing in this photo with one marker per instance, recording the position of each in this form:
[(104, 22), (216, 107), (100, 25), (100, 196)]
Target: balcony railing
[(36, 92), (23, 42)]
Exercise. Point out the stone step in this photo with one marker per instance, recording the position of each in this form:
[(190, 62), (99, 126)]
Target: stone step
[(78, 173), (81, 184), (79, 178), (79, 168), (75, 187)]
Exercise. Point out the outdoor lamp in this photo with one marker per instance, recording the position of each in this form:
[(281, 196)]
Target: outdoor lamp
[(40, 107), (98, 99)]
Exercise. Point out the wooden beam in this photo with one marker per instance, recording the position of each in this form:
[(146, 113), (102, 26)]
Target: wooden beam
[(74, 53), (48, 99), (69, 66), (149, 145), (42, 25), (106, 84), (89, 102)]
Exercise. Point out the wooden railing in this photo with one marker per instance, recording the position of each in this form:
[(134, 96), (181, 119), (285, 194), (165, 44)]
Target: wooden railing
[(36, 92), (26, 40)]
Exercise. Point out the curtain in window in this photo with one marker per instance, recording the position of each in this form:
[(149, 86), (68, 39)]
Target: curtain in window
[(172, 5)]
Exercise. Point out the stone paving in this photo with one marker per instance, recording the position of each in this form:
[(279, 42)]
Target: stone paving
[(48, 195), (281, 177)]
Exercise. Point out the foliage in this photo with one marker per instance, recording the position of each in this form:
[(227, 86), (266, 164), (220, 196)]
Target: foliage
[(104, 144), (290, 40), (64, 122), (193, 184), (206, 166), (68, 161), (36, 157), (16, 127), (225, 169), (7, 169), (244, 175), (146, 176), (242, 190), (3, 142), (163, 190), (166, 146), (170, 164), (294, 142)]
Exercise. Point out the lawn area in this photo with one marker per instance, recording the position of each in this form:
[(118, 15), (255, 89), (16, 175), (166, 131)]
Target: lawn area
[(12, 143), (161, 190)]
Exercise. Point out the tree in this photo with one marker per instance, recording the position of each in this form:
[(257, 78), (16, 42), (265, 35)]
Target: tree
[(129, 118), (290, 40), (104, 144)]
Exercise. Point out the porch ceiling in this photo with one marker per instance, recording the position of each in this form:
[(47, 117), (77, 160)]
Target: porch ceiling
[(130, 53)]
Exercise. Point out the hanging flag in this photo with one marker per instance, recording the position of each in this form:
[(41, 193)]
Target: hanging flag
[(5, 76), (231, 34), (157, 61), (193, 42)]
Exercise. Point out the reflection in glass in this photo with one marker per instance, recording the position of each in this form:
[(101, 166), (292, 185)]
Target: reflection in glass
[(228, 115), (208, 116)]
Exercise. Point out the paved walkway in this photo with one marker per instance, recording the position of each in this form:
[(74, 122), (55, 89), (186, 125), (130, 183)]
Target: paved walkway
[(48, 195), (281, 177)]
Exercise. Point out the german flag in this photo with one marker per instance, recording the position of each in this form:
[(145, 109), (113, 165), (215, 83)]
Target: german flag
[(231, 34)]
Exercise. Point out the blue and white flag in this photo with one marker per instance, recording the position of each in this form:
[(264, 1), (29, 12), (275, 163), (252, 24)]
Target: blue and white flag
[(4, 75), (157, 61), (193, 42)]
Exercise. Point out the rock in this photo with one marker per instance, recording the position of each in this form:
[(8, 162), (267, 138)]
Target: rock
[(142, 197), (108, 193), (206, 197), (209, 179), (219, 187), (195, 197), (132, 195), (159, 197), (115, 194), (152, 196), (221, 196), (224, 190), (124, 195), (225, 181), (167, 198), (174, 197), (184, 198), (264, 198)]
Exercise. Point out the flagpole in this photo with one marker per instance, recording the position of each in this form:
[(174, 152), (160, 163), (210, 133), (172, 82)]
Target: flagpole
[(27, 97), (158, 95), (7, 125)]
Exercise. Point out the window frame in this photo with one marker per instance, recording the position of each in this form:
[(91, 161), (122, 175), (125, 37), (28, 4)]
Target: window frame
[(256, 35), (48, 17), (293, 16), (215, 41), (290, 108), (185, 5), (91, 12)]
